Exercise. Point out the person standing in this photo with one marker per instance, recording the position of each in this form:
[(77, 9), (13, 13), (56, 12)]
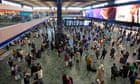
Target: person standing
[(33, 68), (88, 61), (67, 79), (97, 53), (125, 57), (20, 55), (138, 53), (52, 45), (132, 78), (114, 72), (112, 52), (104, 52), (38, 53), (28, 59), (125, 70), (26, 78), (39, 74), (10, 62), (66, 58), (81, 50), (100, 74)]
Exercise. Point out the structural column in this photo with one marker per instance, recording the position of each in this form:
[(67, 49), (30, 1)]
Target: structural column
[(59, 16), (59, 36), (0, 1)]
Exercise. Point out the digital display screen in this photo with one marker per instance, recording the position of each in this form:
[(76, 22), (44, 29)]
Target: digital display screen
[(102, 13), (77, 22), (129, 13), (126, 13)]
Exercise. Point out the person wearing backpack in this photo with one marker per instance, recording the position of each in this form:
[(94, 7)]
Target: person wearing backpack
[(114, 72)]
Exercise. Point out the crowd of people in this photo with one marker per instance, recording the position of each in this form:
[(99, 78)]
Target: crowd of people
[(76, 44)]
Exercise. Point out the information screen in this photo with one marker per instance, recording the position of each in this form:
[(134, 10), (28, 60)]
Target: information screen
[(77, 22)]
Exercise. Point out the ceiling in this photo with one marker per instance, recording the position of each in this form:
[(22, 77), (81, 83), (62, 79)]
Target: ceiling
[(65, 3)]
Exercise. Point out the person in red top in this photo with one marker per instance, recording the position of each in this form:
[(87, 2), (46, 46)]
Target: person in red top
[(66, 58), (102, 42), (67, 79)]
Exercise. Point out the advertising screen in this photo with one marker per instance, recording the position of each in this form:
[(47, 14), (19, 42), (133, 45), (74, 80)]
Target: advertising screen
[(102, 13), (129, 13), (126, 13), (88, 13), (105, 13)]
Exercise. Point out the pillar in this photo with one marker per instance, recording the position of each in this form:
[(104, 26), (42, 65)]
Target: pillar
[(0, 1), (59, 16), (59, 33), (22, 5)]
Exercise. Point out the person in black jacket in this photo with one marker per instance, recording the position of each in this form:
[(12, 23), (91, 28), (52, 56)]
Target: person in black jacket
[(26, 78), (38, 54), (114, 72), (28, 59), (33, 68), (52, 44), (10, 62), (97, 53), (104, 52), (139, 53), (112, 52), (125, 70)]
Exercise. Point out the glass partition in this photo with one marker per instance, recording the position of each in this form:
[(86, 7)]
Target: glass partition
[(11, 17)]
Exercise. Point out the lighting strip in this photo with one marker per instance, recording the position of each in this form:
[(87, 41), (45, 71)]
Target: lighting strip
[(11, 3), (100, 5), (124, 1), (74, 8), (39, 8)]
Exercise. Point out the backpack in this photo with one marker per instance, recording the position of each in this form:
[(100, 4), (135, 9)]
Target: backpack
[(115, 70)]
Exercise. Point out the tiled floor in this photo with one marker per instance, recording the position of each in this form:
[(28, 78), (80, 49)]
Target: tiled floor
[(54, 67)]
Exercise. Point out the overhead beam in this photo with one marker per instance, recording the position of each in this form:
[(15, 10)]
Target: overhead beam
[(68, 0)]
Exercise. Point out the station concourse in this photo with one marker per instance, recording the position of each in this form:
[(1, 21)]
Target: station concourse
[(69, 42)]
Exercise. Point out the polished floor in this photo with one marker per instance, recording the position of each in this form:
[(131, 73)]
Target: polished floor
[(54, 67)]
